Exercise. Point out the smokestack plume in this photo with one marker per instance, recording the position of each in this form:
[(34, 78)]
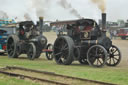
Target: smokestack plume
[(3, 14), (25, 9), (104, 21), (27, 17), (66, 5), (101, 4)]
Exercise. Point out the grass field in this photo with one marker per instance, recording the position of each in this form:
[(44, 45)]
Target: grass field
[(117, 75), (108, 74)]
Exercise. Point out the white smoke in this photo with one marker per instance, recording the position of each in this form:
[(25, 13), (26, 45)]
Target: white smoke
[(101, 4), (31, 9), (24, 9), (3, 14), (68, 6), (52, 11)]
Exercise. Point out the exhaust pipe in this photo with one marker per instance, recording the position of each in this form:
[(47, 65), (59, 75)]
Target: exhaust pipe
[(41, 24), (103, 21)]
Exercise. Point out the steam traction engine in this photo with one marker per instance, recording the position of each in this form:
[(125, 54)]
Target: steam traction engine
[(27, 40), (85, 42)]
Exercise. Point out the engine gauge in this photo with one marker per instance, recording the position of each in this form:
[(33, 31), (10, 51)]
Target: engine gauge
[(86, 34)]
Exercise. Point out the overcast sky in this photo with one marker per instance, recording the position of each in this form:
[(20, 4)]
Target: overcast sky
[(115, 9)]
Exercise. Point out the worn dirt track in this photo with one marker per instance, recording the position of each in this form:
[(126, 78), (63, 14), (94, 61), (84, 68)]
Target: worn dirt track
[(123, 46), (48, 77)]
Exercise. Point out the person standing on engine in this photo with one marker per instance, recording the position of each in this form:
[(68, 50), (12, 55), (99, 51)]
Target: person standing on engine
[(111, 34), (58, 30), (114, 34)]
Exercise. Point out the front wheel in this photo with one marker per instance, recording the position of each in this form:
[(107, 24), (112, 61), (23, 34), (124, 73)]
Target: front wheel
[(31, 51), (97, 56), (114, 56)]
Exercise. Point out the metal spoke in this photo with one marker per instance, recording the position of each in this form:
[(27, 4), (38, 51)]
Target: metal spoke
[(110, 61), (115, 51), (65, 46), (58, 53), (108, 58), (56, 47), (65, 56), (116, 58), (59, 59), (96, 51), (63, 60), (116, 55), (113, 60), (99, 61), (62, 42), (11, 52), (93, 60), (92, 55)]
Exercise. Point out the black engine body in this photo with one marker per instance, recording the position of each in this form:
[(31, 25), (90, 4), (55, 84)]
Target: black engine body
[(28, 40)]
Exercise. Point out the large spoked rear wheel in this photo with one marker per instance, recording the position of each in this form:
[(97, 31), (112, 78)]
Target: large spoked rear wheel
[(63, 50), (114, 56), (12, 46), (49, 53), (31, 51), (97, 56)]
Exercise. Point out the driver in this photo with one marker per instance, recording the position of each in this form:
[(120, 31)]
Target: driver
[(87, 28)]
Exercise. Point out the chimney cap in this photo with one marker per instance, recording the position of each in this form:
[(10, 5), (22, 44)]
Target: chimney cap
[(41, 17)]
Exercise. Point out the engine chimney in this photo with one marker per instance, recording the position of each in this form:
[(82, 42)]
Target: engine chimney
[(103, 21), (41, 24)]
